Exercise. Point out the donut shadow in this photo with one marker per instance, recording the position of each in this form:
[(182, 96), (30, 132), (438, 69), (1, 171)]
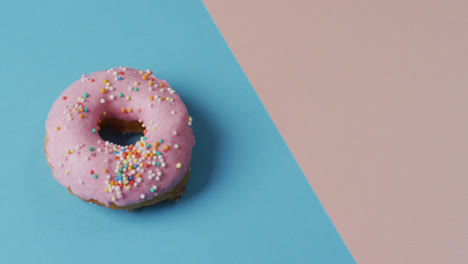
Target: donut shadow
[(202, 164)]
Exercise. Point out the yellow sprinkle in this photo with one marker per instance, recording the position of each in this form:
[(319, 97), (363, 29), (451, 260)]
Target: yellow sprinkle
[(106, 81), (151, 98), (81, 115), (67, 172), (136, 83), (168, 98), (103, 90), (125, 162), (190, 119), (130, 110), (153, 128), (113, 198), (128, 97), (107, 190), (150, 82), (140, 72), (58, 128), (178, 165), (104, 113)]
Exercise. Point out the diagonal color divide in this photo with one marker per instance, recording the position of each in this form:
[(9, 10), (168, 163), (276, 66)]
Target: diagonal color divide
[(247, 200)]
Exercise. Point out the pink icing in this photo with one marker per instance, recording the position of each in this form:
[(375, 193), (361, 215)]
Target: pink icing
[(70, 136)]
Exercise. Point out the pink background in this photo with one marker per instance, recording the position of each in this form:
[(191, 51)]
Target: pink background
[(374, 110)]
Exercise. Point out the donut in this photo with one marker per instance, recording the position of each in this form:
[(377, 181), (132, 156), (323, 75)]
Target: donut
[(153, 169)]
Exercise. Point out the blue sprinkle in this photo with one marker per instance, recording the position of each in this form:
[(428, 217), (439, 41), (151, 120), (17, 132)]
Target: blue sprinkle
[(135, 166), (130, 178), (123, 149), (120, 78), (86, 109), (115, 152)]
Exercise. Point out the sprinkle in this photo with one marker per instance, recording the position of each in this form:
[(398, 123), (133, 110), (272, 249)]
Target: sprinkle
[(179, 165), (80, 181), (175, 133), (190, 119), (130, 110), (120, 94), (103, 90), (111, 97), (58, 128), (151, 98), (136, 89), (104, 113), (137, 83), (172, 112), (113, 198), (64, 98), (176, 146), (95, 176), (128, 98), (60, 164), (91, 148), (120, 78), (67, 172), (103, 101), (142, 196), (124, 110), (93, 130), (86, 109), (160, 141), (86, 95)]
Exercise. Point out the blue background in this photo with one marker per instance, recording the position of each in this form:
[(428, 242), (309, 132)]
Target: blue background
[(247, 200)]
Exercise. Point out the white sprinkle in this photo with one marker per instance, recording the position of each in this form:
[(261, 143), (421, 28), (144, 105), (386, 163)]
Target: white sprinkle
[(150, 105), (142, 196), (106, 160), (175, 133), (124, 68), (162, 89), (155, 187), (111, 88), (176, 146), (103, 101), (159, 173), (172, 112), (163, 164), (60, 164), (130, 88), (86, 158), (115, 78), (115, 73), (157, 178), (80, 181), (98, 150), (106, 182), (108, 176), (111, 97)]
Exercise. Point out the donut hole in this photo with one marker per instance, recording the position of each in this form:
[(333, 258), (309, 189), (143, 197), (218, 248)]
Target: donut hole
[(120, 132)]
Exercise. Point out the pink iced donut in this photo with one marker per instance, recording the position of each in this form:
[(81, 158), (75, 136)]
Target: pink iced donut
[(120, 177)]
